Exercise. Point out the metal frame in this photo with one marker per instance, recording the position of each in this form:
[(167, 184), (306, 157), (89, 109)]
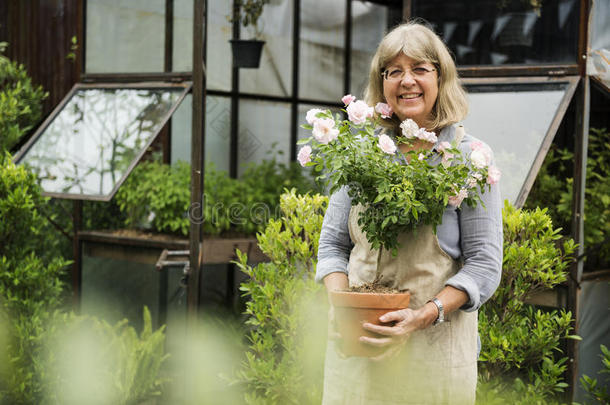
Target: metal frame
[(186, 86)]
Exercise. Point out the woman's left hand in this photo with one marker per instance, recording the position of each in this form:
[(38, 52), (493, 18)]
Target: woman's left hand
[(406, 321)]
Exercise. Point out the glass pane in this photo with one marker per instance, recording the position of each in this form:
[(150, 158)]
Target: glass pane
[(218, 131), (117, 281), (322, 45), (89, 145), (598, 63), (182, 58), (219, 56), (261, 126), (513, 120), (125, 36), (496, 32), (274, 76), (369, 24)]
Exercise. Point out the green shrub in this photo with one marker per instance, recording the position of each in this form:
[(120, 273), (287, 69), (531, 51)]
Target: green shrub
[(520, 357), (286, 311), (20, 102), (160, 194), (30, 285)]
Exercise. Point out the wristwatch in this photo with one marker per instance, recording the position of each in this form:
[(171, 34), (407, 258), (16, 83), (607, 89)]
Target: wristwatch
[(441, 311)]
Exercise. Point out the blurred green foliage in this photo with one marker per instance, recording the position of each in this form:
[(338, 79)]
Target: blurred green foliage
[(595, 391)]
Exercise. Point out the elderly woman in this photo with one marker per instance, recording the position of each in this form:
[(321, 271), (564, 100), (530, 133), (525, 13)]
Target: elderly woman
[(432, 346)]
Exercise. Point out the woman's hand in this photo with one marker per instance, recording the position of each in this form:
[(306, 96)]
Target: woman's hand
[(406, 321)]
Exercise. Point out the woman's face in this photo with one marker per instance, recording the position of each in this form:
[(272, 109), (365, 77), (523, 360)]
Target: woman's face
[(413, 95)]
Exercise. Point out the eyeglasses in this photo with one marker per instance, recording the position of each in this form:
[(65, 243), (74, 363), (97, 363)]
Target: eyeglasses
[(397, 74)]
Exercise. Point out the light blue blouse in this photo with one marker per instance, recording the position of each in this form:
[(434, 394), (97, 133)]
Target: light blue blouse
[(471, 233)]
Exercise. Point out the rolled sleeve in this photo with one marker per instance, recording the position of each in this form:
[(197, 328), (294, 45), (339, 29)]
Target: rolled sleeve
[(481, 244), (335, 243)]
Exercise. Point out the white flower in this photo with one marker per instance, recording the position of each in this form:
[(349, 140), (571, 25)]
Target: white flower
[(304, 155), (324, 130), (474, 179), (479, 158), (386, 144), (409, 128), (311, 115), (358, 111), (421, 156), (480, 155)]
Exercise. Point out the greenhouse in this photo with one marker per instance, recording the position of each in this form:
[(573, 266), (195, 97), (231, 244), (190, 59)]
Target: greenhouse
[(164, 213)]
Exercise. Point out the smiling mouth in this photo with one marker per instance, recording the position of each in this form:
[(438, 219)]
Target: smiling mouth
[(409, 96)]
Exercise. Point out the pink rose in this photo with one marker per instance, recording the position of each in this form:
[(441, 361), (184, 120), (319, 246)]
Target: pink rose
[(493, 175), (456, 200), (386, 144), (384, 109), (426, 136), (324, 130), (409, 128), (347, 99), (358, 111), (304, 155), (311, 115)]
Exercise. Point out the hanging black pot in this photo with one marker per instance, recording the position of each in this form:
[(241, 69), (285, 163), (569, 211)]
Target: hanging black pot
[(246, 52)]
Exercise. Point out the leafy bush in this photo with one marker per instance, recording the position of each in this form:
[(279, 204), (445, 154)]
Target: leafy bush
[(284, 361), (91, 361), (599, 393), (520, 344), (553, 189), (30, 285), (160, 194), (20, 102)]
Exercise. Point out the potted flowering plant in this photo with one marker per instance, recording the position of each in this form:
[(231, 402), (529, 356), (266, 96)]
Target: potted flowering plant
[(399, 188), (247, 52)]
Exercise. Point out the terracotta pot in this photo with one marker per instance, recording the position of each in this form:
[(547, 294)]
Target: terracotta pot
[(352, 309)]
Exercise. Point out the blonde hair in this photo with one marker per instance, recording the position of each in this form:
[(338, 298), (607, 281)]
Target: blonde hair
[(420, 43)]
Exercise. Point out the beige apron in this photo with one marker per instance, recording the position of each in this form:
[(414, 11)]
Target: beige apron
[(437, 365)]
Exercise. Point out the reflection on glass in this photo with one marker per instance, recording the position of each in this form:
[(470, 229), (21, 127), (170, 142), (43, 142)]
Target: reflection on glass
[(369, 24), (274, 76), (217, 135), (89, 145), (322, 45), (264, 132), (125, 36), (513, 120), (496, 32)]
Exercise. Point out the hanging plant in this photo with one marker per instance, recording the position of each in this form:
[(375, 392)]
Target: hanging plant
[(247, 52)]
